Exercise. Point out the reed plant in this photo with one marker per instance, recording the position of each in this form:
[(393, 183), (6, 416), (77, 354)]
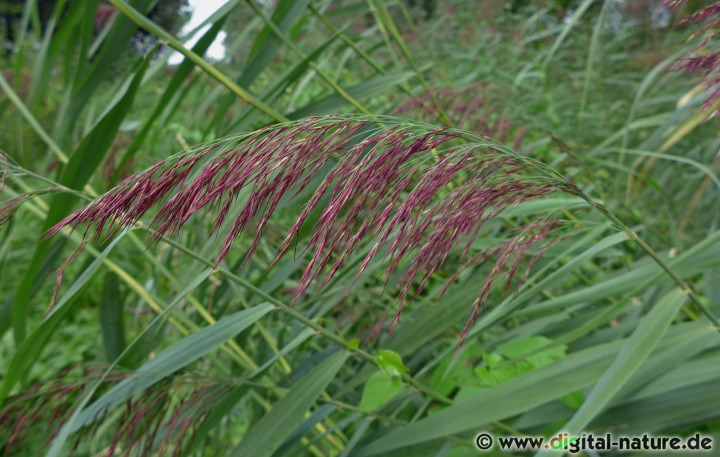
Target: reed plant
[(382, 235)]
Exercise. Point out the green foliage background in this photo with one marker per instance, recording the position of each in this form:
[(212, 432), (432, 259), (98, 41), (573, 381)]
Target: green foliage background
[(600, 338)]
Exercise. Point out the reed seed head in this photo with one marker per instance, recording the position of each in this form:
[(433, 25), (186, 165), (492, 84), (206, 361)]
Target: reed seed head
[(402, 192)]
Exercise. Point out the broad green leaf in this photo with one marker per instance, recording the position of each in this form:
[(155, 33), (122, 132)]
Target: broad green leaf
[(379, 389), (636, 349), (273, 428)]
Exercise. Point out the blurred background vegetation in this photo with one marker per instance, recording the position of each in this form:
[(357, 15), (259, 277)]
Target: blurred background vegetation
[(93, 91)]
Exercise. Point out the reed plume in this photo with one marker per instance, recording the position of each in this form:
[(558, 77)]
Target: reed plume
[(469, 108), (704, 57), (162, 420), (413, 193)]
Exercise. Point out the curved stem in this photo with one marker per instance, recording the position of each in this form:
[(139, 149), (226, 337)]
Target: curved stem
[(654, 255)]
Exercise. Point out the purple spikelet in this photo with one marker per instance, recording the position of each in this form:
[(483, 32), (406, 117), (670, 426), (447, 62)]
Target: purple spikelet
[(37, 414), (469, 108), (704, 58), (8, 208), (409, 195), (162, 420)]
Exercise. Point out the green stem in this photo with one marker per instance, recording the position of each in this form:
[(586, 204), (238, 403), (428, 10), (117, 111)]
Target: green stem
[(31, 119), (573, 190), (174, 43), (654, 255), (382, 15), (279, 33)]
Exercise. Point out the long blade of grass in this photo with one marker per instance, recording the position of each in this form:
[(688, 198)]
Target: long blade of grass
[(88, 80), (111, 318), (180, 74), (173, 42), (276, 89), (81, 166), (172, 359), (264, 48), (634, 352), (567, 27), (334, 102), (592, 53), (320, 72), (269, 433)]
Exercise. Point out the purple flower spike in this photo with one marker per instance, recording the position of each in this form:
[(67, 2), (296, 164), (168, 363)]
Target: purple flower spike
[(405, 194), (704, 58), (468, 108)]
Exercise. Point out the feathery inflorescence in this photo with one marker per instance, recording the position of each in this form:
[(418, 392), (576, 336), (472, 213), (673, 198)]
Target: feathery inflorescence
[(409, 193), (704, 58), (162, 420), (469, 108)]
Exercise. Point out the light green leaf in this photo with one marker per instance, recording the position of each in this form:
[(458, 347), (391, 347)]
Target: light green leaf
[(390, 362), (380, 389)]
